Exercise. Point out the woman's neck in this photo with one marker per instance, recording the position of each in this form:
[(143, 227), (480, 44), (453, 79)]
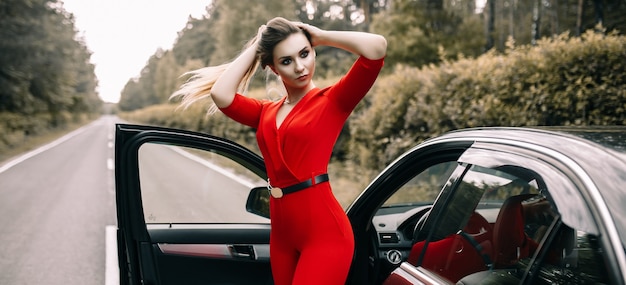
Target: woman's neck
[(294, 95)]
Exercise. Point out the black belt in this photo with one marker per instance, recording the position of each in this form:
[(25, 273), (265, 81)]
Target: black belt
[(279, 192)]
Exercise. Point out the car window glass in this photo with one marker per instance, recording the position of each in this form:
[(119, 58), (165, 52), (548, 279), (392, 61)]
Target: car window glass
[(480, 225), (573, 257), (573, 209), (185, 185), (424, 187)]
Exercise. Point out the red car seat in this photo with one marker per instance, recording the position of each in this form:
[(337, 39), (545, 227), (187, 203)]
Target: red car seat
[(510, 241), (457, 255)]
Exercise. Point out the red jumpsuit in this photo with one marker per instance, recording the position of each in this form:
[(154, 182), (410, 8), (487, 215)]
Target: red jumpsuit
[(311, 241)]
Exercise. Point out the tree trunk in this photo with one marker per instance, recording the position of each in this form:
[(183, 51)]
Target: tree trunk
[(598, 5), (489, 30), (512, 8), (536, 27), (579, 19)]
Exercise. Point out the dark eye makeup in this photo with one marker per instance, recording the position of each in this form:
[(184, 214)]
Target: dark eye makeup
[(304, 53)]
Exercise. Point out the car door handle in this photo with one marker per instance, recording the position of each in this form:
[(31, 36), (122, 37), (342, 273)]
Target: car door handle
[(242, 251)]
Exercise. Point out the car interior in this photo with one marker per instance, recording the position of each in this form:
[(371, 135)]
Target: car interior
[(488, 226)]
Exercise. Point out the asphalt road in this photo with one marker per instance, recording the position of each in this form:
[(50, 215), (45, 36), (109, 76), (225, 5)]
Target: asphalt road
[(183, 186), (55, 204)]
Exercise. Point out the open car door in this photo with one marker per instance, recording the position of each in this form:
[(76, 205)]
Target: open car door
[(181, 209)]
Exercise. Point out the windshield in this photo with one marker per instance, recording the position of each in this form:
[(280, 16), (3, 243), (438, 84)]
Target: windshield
[(423, 188)]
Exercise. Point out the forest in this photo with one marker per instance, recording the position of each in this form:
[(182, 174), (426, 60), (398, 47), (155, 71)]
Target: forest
[(46, 79)]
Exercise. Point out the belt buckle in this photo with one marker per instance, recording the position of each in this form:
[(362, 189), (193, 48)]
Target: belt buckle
[(274, 191)]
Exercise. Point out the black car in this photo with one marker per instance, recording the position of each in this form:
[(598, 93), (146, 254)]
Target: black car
[(475, 206)]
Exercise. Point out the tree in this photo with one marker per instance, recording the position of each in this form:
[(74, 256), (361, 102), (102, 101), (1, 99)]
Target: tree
[(43, 66), (196, 40), (239, 21), (166, 77), (491, 19), (528, 21), (416, 30), (132, 96)]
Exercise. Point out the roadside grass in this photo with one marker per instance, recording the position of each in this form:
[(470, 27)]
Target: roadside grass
[(348, 181), (35, 141)]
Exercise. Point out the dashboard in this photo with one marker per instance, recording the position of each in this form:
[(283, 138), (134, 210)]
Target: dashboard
[(395, 227)]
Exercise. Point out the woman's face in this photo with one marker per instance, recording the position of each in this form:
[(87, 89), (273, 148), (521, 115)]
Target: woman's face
[(294, 61)]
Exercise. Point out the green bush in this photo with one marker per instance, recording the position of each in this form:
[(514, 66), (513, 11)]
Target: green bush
[(560, 81)]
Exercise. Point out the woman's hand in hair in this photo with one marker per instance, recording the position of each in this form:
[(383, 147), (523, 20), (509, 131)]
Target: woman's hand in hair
[(255, 40), (259, 33), (369, 45), (313, 31)]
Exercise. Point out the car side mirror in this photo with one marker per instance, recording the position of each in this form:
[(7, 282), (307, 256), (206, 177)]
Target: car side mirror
[(259, 202)]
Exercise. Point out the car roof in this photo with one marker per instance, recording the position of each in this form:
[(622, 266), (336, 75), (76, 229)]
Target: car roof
[(600, 151), (611, 137)]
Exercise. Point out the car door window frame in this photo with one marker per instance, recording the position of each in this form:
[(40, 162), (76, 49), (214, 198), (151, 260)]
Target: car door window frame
[(136, 246)]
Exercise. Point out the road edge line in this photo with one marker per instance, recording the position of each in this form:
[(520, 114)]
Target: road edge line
[(112, 271), (43, 148)]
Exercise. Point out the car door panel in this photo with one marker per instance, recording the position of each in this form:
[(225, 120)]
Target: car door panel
[(190, 270), (167, 263), (407, 274), (213, 263), (170, 232)]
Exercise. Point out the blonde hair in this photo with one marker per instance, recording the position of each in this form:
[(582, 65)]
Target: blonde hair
[(201, 81)]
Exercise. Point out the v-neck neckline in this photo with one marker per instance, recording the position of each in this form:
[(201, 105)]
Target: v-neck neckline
[(290, 114)]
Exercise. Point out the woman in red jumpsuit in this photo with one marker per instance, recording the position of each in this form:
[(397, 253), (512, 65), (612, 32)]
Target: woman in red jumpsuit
[(311, 240)]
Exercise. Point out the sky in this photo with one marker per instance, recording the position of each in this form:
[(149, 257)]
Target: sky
[(123, 34)]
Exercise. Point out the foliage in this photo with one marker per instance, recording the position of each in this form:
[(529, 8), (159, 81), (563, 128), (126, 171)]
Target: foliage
[(18, 130), (416, 30), (249, 16), (159, 79), (46, 79), (560, 81), (43, 67)]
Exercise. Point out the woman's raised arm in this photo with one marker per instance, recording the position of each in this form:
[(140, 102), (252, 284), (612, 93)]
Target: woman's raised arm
[(243, 67), (371, 46)]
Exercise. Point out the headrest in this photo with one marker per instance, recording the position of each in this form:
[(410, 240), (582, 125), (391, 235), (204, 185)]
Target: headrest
[(508, 231)]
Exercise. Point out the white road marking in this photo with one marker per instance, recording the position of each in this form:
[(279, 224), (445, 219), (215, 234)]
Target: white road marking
[(110, 164), (112, 271), (110, 161)]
